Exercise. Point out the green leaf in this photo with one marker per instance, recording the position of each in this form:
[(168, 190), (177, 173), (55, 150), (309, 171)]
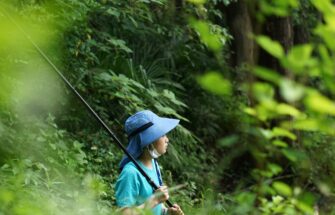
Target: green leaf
[(263, 91), (290, 154), (279, 143), (327, 34), (105, 76), (113, 11), (274, 168), (250, 111), (272, 47), (324, 188), (306, 124), (171, 96), (210, 39), (319, 103), (228, 141), (307, 198), (299, 57), (267, 74), (278, 8), (246, 198), (277, 199), (307, 209), (215, 83), (325, 6), (120, 44), (327, 62), (268, 9), (197, 1), (291, 91), (281, 132), (282, 188), (288, 109), (169, 111), (266, 133)]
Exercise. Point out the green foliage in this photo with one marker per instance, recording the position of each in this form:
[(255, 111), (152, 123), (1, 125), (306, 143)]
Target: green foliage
[(289, 110), (122, 58), (256, 142), (45, 165)]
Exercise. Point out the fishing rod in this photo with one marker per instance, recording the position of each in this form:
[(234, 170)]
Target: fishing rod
[(90, 109)]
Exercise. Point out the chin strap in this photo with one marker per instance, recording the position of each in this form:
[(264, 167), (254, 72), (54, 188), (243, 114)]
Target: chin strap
[(158, 171), (153, 152)]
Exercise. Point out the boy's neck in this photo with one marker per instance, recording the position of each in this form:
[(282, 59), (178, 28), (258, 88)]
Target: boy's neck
[(146, 159)]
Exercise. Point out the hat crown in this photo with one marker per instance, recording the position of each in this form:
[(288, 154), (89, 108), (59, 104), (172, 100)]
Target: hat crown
[(137, 120)]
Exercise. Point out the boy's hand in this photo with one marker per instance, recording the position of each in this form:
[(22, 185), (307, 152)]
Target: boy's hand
[(162, 194), (175, 210)]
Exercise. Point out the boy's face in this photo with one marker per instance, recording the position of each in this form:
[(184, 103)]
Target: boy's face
[(161, 144)]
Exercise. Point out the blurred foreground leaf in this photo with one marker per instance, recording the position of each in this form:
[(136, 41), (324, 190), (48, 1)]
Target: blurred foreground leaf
[(215, 83)]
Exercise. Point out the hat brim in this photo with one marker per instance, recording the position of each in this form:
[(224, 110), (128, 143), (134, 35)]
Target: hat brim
[(160, 128)]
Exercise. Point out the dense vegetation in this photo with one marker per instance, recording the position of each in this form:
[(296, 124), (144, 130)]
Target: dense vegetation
[(251, 81)]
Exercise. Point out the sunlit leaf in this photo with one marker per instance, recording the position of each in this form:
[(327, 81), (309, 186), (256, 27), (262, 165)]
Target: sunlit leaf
[(291, 91), (246, 198), (278, 8), (325, 6), (279, 143), (327, 62), (275, 168), (277, 199), (320, 103), (305, 207), (268, 9), (288, 109), (250, 111), (197, 1), (299, 57), (209, 38), (267, 74), (272, 47), (306, 124), (282, 188), (215, 83), (263, 91), (324, 188), (327, 33), (266, 133), (281, 132), (265, 109)]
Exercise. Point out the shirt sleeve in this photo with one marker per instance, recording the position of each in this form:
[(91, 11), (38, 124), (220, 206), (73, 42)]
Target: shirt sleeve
[(127, 188)]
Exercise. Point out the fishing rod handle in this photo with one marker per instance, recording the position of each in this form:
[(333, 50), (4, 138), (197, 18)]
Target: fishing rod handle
[(169, 203)]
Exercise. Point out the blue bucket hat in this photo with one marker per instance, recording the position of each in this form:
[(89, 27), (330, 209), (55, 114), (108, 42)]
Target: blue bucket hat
[(143, 128)]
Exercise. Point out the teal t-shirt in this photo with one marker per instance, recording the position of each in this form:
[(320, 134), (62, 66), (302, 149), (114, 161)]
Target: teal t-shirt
[(132, 189)]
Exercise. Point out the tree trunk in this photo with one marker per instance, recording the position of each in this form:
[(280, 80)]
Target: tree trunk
[(240, 26), (281, 30)]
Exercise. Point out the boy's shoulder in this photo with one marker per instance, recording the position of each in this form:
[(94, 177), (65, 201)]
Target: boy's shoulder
[(130, 168)]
